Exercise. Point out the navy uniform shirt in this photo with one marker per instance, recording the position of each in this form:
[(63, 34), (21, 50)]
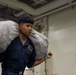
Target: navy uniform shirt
[(17, 56)]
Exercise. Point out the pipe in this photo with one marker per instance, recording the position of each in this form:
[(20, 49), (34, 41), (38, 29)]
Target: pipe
[(54, 11), (18, 14), (46, 31)]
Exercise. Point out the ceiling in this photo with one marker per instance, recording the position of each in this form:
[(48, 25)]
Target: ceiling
[(36, 3), (12, 9)]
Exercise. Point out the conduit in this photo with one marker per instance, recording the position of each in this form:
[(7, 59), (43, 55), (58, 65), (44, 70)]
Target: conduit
[(56, 10)]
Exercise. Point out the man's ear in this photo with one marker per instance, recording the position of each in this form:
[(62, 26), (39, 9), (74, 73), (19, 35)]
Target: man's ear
[(20, 27)]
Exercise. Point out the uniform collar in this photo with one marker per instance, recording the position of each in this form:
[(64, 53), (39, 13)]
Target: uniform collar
[(27, 42)]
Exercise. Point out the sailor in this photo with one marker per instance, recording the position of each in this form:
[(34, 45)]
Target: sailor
[(21, 52)]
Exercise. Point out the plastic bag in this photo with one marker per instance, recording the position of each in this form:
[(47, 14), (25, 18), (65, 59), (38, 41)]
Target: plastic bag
[(40, 42), (9, 30)]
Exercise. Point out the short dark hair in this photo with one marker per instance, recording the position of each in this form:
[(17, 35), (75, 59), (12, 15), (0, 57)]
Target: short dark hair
[(25, 19)]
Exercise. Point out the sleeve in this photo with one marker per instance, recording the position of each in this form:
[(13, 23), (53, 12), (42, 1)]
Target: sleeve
[(31, 60), (2, 55)]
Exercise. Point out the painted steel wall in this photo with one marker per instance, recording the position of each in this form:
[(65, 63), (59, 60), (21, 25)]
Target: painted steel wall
[(62, 43)]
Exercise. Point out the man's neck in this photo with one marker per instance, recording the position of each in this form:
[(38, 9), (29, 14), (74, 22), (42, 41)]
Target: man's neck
[(23, 38)]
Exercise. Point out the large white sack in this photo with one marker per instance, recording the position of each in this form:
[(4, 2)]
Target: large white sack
[(9, 30), (40, 42)]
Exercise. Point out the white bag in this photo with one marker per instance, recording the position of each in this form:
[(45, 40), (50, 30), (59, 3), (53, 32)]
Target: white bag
[(9, 30), (40, 42)]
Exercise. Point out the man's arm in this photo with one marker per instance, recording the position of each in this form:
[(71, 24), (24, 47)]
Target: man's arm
[(2, 56), (49, 55)]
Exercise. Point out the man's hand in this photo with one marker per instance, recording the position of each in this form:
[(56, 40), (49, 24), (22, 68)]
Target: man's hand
[(49, 55)]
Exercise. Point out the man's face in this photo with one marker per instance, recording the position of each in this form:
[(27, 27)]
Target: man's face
[(25, 28)]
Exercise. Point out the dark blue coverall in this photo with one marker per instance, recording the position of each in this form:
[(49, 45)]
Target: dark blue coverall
[(17, 56)]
